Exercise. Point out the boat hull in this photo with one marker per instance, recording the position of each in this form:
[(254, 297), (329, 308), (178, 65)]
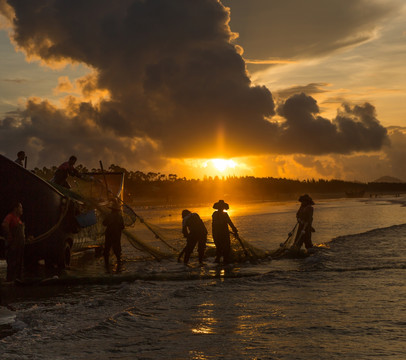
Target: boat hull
[(49, 215)]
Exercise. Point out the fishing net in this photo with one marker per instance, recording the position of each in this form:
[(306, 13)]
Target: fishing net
[(161, 242), (291, 246), (147, 240)]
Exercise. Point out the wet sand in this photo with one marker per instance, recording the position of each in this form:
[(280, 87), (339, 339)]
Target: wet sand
[(87, 268)]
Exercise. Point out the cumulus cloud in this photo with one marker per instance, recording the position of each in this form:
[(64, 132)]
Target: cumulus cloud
[(176, 85), (355, 128)]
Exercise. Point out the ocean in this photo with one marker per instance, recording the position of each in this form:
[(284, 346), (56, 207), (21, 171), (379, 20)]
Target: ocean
[(347, 300)]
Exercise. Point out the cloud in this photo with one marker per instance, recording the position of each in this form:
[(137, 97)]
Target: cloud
[(309, 89), (297, 29), (170, 84), (17, 81), (49, 135)]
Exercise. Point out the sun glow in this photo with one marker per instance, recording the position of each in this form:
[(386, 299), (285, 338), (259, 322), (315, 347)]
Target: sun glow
[(222, 164)]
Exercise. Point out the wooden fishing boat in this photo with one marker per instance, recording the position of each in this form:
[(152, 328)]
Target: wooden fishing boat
[(59, 220)]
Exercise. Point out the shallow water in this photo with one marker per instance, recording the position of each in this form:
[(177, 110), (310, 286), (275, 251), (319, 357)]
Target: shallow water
[(346, 301)]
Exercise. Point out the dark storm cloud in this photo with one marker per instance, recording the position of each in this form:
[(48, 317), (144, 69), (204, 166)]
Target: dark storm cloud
[(297, 29), (355, 128), (175, 80), (49, 136)]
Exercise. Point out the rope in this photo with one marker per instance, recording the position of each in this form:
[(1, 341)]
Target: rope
[(157, 235), (55, 227)]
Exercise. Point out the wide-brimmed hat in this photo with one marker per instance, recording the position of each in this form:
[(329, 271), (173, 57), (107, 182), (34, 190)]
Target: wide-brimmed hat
[(221, 205), (306, 199)]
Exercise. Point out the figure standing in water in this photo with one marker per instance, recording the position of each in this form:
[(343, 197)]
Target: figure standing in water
[(64, 170), (195, 232), (305, 218), (20, 158), (221, 233), (114, 226), (13, 229)]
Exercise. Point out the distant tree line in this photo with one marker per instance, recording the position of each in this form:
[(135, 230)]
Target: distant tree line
[(162, 188)]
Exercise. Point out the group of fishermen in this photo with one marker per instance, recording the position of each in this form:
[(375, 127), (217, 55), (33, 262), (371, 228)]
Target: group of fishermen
[(195, 231), (193, 227)]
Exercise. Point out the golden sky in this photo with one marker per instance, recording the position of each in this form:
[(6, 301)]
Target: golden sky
[(297, 89)]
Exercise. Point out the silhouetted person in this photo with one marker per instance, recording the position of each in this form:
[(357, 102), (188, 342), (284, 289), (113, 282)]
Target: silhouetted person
[(114, 226), (195, 232), (305, 218), (13, 229), (20, 158), (221, 233), (64, 170)]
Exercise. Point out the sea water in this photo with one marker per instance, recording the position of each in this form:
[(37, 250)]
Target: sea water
[(345, 301)]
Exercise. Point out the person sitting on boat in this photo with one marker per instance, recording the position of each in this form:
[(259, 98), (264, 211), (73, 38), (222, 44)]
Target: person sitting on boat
[(13, 229), (305, 218), (221, 233), (64, 170), (195, 232), (114, 224), (20, 158)]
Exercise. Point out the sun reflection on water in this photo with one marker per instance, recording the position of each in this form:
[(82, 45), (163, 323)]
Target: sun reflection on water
[(205, 320)]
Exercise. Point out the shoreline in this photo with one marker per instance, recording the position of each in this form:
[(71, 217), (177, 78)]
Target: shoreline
[(194, 201)]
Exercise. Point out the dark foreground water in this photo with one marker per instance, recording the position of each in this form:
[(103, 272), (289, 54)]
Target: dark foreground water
[(346, 301)]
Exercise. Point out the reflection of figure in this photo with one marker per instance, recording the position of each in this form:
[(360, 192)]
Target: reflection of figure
[(221, 234), (67, 168), (114, 226), (13, 229), (195, 232), (20, 158), (305, 218)]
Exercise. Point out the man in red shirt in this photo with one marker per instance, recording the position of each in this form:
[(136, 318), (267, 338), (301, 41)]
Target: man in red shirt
[(64, 170), (13, 229)]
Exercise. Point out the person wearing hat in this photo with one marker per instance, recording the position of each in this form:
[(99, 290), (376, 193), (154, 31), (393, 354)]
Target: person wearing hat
[(195, 232), (221, 233), (305, 219), (114, 224)]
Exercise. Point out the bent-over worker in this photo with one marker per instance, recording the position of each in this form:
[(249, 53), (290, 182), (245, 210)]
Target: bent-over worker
[(195, 232), (64, 170)]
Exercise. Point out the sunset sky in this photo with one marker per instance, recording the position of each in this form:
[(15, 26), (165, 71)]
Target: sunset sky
[(294, 88)]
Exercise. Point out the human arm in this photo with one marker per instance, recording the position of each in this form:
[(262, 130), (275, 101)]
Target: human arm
[(185, 231), (73, 172), (233, 228)]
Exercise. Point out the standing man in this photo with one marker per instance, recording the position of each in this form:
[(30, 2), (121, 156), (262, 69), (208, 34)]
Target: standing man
[(64, 170), (195, 232), (114, 224), (13, 229), (305, 219), (221, 233), (20, 158)]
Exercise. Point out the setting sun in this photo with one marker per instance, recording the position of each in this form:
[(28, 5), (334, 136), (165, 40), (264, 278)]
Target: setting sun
[(222, 165)]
